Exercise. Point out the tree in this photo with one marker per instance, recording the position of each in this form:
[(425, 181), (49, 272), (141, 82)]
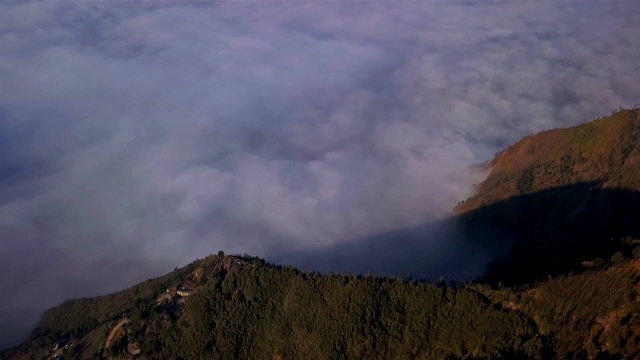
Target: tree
[(617, 257)]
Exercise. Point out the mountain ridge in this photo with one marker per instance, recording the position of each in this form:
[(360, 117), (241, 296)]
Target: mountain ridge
[(265, 311), (604, 150)]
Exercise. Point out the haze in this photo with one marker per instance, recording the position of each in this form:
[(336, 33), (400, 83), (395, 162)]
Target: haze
[(136, 137)]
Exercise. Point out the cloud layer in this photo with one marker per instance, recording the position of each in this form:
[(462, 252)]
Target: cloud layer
[(135, 137)]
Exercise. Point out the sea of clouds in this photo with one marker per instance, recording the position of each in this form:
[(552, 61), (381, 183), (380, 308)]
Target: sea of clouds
[(138, 136)]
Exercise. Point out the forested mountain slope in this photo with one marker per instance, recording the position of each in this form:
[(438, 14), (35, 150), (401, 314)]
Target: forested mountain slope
[(254, 310), (559, 197)]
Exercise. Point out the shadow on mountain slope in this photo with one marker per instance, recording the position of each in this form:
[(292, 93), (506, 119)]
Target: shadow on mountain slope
[(429, 251), (513, 241), (552, 231)]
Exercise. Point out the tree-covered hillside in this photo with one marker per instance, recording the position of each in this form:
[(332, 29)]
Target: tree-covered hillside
[(249, 309)]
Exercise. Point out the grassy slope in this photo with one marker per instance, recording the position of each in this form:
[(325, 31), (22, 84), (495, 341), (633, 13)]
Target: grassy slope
[(606, 151)]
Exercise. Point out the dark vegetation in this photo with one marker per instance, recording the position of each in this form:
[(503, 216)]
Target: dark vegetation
[(267, 312), (592, 315), (263, 311)]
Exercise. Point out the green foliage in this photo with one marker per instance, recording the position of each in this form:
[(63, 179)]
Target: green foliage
[(262, 311), (259, 311), (577, 308), (526, 180)]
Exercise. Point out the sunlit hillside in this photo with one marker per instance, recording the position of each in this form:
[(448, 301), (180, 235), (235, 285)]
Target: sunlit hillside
[(604, 151)]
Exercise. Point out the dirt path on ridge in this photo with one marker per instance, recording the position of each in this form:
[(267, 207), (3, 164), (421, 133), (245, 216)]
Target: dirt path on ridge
[(114, 331)]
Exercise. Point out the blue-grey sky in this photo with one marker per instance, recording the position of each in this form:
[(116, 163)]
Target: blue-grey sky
[(138, 136)]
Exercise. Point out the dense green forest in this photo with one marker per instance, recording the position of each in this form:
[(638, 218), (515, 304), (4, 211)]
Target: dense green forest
[(256, 310)]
